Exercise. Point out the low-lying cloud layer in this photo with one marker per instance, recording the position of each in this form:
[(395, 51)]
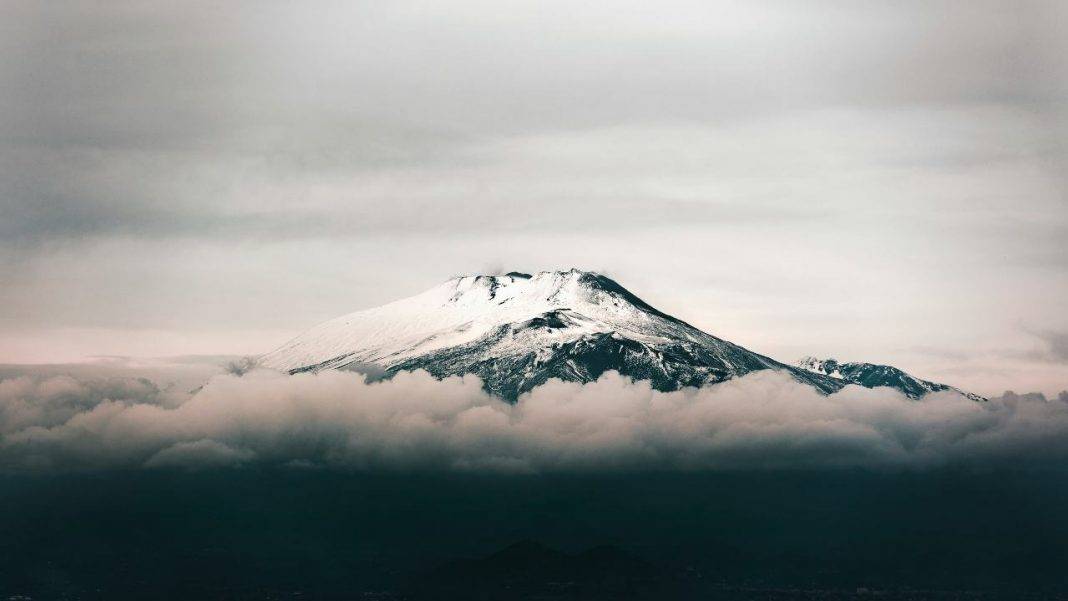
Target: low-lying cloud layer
[(414, 422)]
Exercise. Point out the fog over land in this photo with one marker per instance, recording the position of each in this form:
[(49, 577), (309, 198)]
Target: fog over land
[(114, 418)]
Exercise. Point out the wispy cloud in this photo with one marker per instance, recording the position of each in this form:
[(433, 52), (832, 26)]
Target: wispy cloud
[(1055, 345)]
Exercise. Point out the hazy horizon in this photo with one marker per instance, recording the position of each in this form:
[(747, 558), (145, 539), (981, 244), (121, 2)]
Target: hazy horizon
[(221, 359)]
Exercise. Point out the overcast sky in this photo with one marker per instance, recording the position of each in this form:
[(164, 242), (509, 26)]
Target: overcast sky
[(877, 181)]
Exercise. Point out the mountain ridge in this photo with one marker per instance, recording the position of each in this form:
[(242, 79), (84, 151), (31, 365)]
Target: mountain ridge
[(870, 375), (516, 331)]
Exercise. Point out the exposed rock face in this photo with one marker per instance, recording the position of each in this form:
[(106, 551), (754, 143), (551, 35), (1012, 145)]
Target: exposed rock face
[(516, 331)]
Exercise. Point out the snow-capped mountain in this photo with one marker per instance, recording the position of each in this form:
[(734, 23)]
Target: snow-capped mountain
[(871, 375), (516, 331)]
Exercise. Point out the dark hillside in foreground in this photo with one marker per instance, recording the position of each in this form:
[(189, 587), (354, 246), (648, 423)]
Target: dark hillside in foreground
[(325, 535)]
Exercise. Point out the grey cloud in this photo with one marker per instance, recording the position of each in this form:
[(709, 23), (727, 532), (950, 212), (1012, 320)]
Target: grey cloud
[(68, 388), (27, 401), (117, 116), (340, 420), (1012, 398), (1056, 344)]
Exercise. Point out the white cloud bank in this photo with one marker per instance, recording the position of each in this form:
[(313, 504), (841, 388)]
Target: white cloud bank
[(414, 422)]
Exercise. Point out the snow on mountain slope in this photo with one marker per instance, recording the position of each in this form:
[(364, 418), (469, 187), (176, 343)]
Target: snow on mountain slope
[(516, 331), (871, 375)]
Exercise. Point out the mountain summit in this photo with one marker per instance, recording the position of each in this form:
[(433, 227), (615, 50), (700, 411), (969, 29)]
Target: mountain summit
[(516, 331)]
